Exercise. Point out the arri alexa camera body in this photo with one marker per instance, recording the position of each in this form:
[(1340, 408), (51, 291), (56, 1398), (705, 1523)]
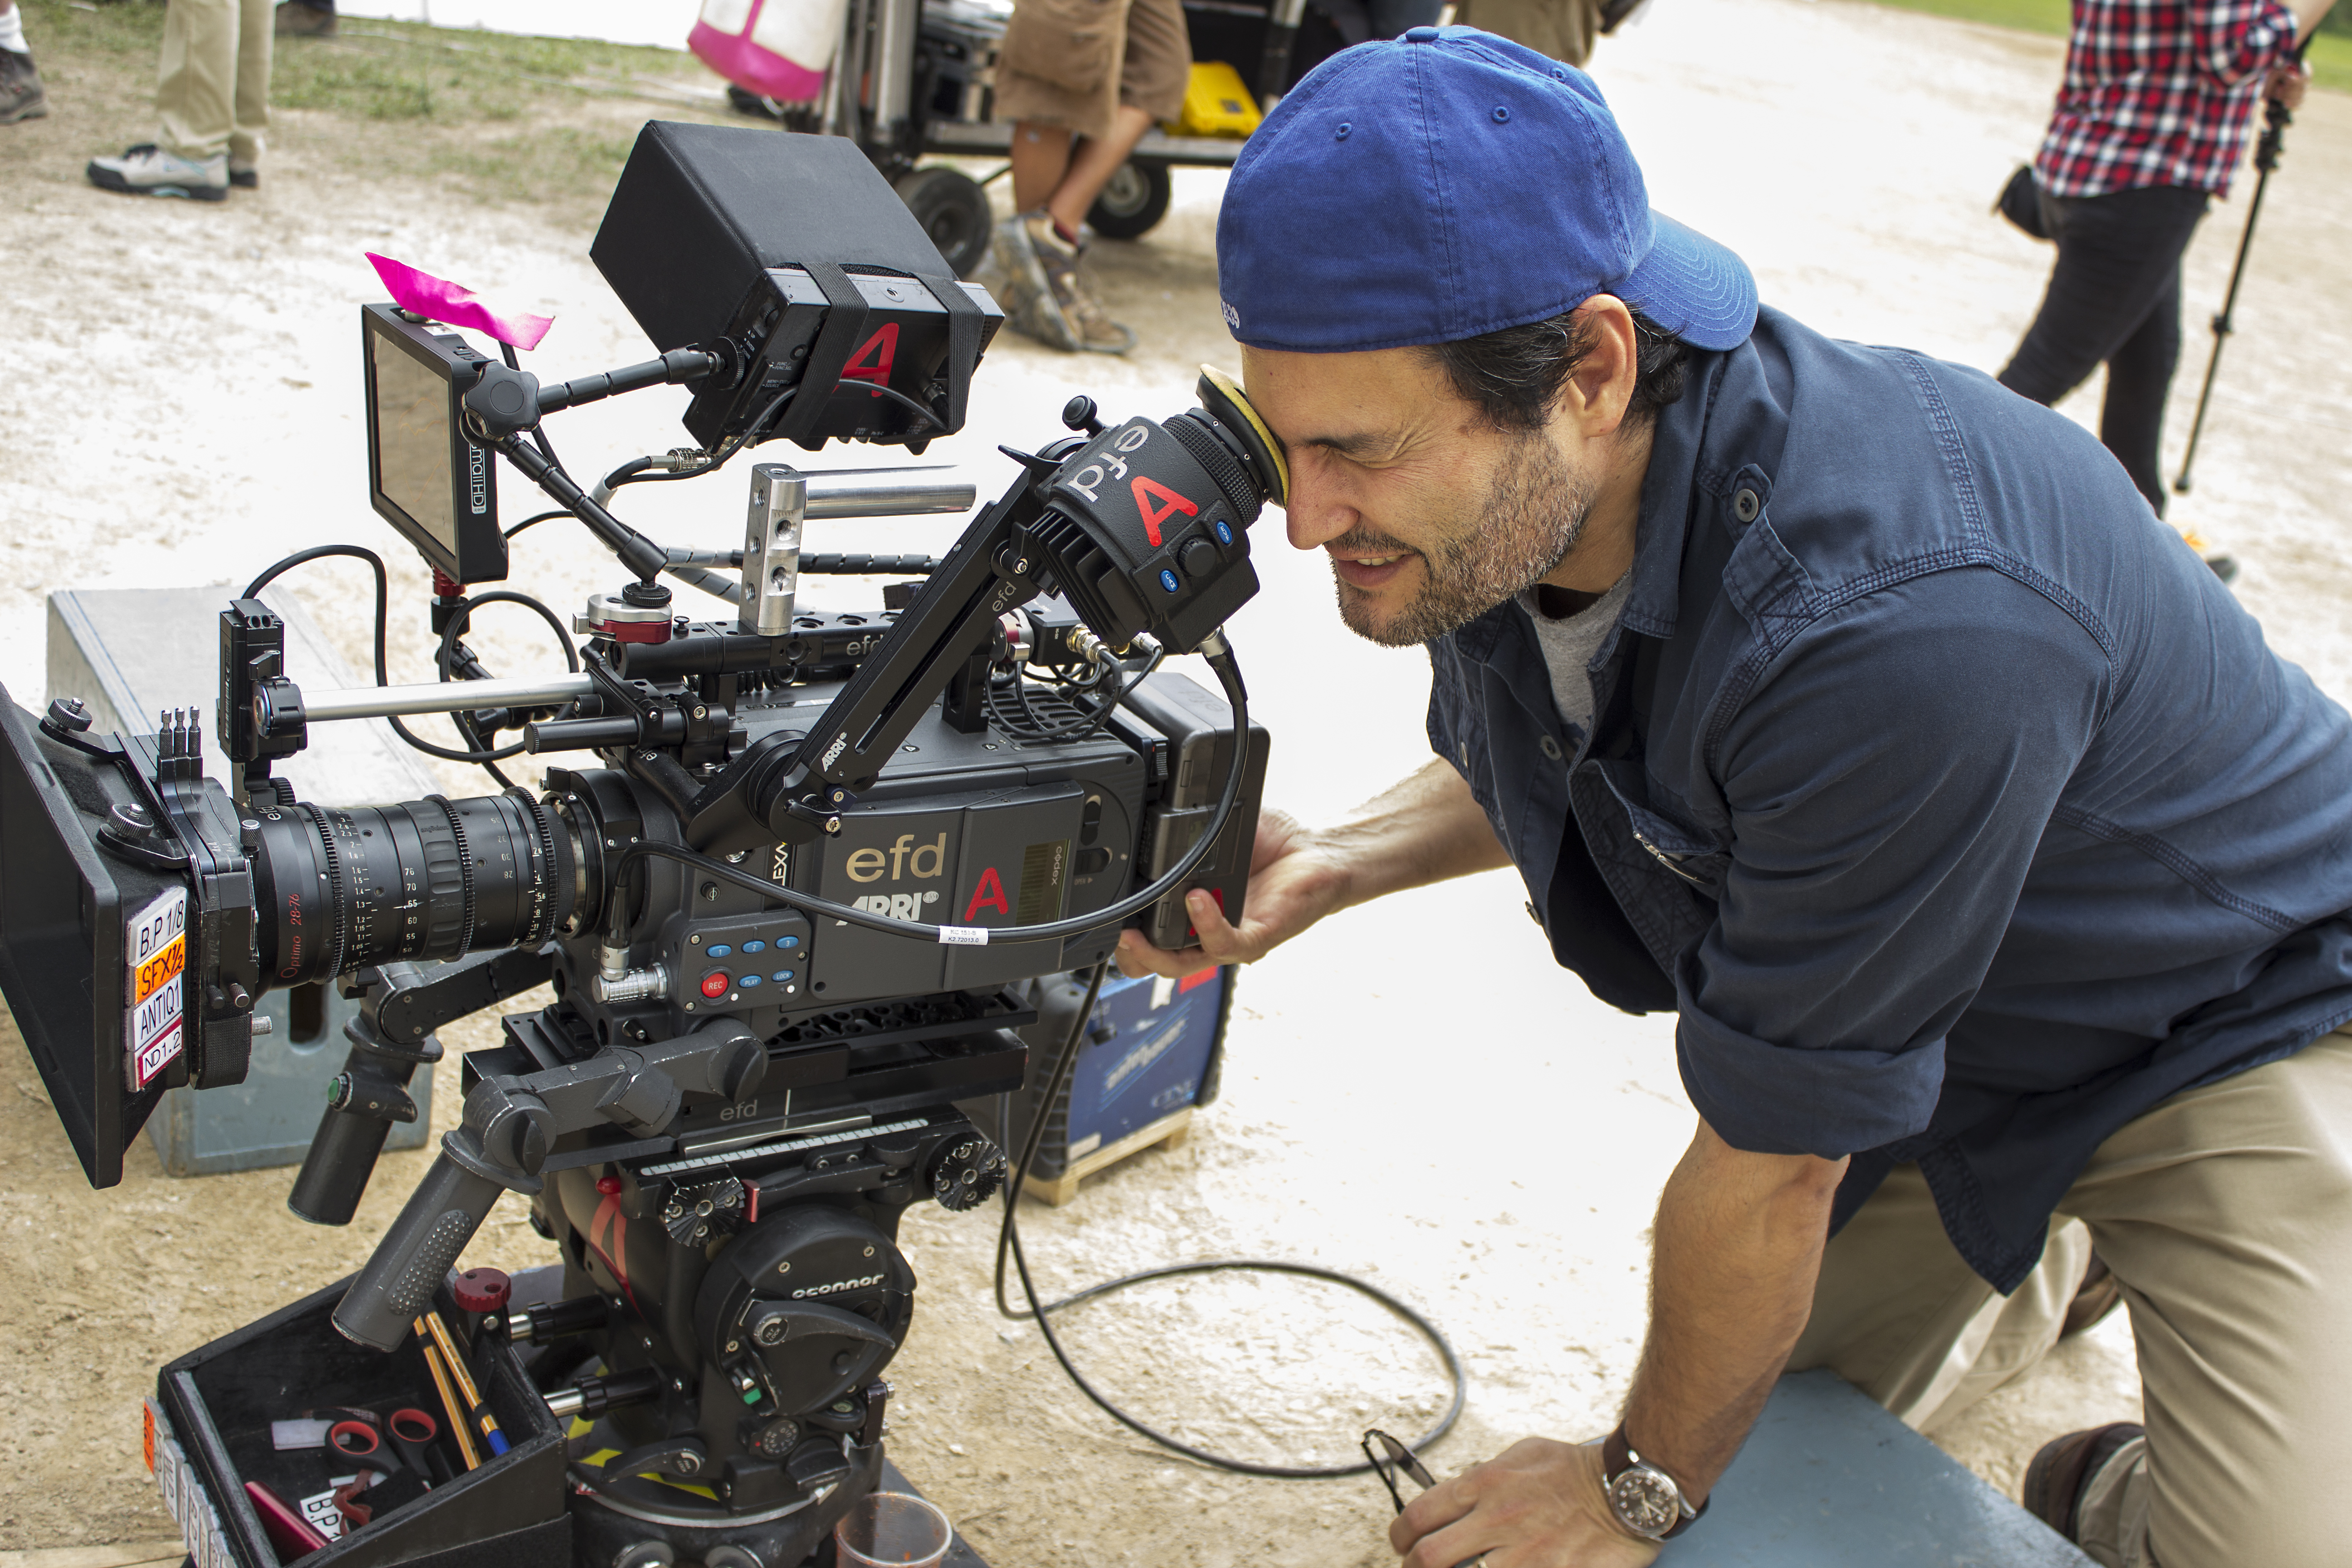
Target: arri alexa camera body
[(785, 875)]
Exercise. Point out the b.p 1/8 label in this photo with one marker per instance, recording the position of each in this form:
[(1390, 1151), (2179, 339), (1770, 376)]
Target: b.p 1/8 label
[(155, 955)]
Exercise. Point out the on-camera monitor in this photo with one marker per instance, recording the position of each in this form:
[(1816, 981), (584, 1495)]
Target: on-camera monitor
[(414, 456), (424, 476)]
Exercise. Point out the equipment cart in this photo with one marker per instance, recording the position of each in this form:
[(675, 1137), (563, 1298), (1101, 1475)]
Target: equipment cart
[(915, 78)]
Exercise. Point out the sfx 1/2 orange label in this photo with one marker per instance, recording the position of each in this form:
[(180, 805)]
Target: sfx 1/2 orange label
[(155, 955)]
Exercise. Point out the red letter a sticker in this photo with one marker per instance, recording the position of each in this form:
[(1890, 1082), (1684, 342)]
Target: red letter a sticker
[(1157, 503), (990, 894), (871, 362)]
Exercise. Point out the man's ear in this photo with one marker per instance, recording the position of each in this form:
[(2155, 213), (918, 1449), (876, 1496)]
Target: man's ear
[(1598, 391)]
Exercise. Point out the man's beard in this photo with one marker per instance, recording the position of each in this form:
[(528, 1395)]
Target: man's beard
[(1533, 513)]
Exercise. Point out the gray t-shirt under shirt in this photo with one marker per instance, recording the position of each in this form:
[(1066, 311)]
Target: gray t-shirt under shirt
[(1569, 645)]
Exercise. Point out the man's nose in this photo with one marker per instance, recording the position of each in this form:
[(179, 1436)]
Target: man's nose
[(1317, 513)]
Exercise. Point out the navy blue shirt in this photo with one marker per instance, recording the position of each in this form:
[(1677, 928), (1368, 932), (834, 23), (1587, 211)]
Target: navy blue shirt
[(1956, 808)]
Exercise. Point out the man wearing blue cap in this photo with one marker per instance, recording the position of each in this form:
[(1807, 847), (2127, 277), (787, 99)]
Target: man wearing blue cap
[(1860, 712)]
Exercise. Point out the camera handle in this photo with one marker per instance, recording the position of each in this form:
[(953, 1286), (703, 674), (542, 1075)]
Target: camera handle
[(402, 1004), (512, 1126)]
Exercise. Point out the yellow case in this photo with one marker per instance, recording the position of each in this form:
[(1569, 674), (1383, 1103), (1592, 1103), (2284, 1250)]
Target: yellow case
[(1216, 103)]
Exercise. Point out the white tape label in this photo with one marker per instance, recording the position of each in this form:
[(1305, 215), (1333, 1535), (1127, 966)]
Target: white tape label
[(963, 936), (154, 955)]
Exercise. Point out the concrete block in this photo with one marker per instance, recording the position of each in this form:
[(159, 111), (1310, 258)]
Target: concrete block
[(1829, 1479), (129, 652)]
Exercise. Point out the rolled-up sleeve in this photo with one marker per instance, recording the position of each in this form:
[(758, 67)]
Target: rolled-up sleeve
[(1888, 779), (2235, 39)]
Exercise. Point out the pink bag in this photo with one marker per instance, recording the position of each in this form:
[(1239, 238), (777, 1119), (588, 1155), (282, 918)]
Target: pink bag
[(777, 48)]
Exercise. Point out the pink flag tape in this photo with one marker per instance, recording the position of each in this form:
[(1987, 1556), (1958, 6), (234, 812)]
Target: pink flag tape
[(438, 299)]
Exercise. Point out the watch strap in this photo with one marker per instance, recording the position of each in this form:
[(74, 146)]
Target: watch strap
[(1617, 1456)]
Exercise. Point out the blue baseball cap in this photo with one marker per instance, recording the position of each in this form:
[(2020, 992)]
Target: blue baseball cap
[(1446, 183)]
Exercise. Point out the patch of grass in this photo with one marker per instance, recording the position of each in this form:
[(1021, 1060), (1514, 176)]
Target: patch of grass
[(124, 34), (2330, 53)]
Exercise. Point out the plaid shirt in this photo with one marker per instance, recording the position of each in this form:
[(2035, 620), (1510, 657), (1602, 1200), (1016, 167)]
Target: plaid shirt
[(2160, 92)]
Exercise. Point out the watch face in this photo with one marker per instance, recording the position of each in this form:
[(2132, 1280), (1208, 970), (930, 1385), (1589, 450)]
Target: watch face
[(1645, 1500)]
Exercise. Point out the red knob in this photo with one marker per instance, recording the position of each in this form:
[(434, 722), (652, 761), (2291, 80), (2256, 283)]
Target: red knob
[(609, 1185), (481, 1289)]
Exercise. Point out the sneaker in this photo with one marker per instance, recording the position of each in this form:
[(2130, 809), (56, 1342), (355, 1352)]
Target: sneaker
[(147, 170), (297, 20), (245, 176), (1049, 300), (2055, 1481), (22, 97)]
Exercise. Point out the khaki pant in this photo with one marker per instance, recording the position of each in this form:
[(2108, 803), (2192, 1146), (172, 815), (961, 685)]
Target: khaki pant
[(1564, 29), (1071, 63), (2226, 1214), (212, 92)]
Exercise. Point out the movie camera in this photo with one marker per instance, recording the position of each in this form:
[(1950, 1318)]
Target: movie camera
[(782, 884)]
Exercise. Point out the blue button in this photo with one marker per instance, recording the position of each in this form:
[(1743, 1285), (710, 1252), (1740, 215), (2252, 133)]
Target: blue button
[(782, 975), (788, 942), (1168, 580), (1224, 530), (755, 947), (748, 981), (719, 950)]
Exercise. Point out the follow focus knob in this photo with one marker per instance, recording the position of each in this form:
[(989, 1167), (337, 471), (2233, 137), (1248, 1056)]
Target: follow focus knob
[(967, 1174)]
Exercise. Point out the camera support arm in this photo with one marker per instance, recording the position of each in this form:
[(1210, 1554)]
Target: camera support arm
[(511, 1125), (952, 619), (638, 553)]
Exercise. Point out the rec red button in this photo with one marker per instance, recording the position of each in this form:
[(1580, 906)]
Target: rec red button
[(716, 982)]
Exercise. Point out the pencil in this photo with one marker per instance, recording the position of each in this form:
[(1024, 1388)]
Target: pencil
[(449, 1404), (431, 1323)]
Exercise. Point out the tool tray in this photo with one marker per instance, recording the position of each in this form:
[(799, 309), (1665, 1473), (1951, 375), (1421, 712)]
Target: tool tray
[(216, 1404)]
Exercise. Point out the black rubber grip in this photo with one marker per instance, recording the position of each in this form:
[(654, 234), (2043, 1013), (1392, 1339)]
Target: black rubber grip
[(336, 1167), (416, 1254)]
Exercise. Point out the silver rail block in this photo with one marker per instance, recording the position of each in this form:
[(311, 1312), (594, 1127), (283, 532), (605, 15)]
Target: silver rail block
[(771, 548)]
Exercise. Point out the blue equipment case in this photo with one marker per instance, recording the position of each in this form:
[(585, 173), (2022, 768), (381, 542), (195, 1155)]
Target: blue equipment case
[(1153, 1047)]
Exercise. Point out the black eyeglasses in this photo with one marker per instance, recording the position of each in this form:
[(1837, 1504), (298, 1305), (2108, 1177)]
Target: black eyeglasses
[(1389, 1458)]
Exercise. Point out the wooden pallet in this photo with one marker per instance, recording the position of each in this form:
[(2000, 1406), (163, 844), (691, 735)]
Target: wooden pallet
[(1170, 1131)]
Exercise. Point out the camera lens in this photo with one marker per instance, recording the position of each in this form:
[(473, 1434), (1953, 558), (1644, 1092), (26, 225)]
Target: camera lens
[(340, 888)]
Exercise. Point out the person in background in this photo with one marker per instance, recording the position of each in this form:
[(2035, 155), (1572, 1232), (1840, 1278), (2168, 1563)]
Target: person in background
[(212, 103), (306, 20), (2151, 122), (22, 96), (1564, 29), (1081, 81)]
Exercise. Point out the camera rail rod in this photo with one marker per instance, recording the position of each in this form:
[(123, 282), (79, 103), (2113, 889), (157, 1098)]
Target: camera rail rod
[(444, 697)]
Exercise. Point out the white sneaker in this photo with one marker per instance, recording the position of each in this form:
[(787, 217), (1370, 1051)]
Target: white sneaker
[(147, 170)]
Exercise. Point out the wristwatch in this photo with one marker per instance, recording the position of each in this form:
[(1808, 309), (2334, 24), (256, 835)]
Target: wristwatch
[(1644, 1497)]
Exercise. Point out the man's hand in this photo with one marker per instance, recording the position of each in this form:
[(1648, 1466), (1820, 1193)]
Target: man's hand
[(1425, 829), (1538, 1505), (2287, 81), (1293, 882)]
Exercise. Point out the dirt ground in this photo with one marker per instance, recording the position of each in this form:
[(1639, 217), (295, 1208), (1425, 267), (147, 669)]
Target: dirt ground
[(1413, 1093)]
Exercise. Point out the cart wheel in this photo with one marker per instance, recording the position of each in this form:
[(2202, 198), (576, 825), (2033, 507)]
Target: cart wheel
[(953, 210), (1133, 203)]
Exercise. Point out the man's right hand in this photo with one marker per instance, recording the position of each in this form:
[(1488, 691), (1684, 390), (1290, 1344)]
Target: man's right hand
[(1293, 882), (1425, 829)]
